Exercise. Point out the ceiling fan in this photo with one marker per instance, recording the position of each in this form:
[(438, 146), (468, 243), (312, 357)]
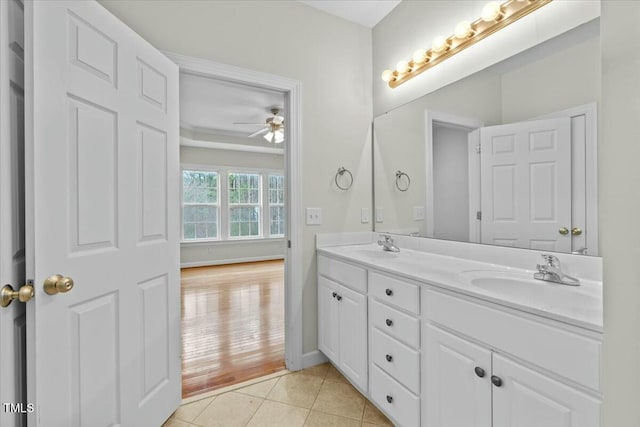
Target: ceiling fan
[(274, 127)]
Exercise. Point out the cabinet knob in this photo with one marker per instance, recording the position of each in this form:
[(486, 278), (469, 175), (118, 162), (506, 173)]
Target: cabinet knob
[(388, 291), (479, 371), (389, 398), (497, 381), (334, 294), (389, 322), (388, 357), (339, 298)]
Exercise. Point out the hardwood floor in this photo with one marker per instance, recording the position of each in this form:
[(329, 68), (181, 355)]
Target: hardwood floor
[(232, 324)]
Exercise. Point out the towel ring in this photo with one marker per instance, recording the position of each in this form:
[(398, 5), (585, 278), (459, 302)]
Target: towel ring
[(342, 171), (399, 176)]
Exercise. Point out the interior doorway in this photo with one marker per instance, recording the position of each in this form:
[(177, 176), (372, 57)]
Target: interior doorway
[(233, 231)]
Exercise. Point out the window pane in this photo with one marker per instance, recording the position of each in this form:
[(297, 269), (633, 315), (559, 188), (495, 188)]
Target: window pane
[(244, 188), (199, 187), (244, 221), (200, 222), (276, 220)]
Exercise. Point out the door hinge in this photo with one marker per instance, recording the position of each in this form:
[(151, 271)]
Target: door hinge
[(479, 215), (289, 244), (478, 149)]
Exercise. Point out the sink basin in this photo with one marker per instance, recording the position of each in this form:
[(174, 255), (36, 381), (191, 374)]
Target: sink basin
[(370, 252), (522, 286)]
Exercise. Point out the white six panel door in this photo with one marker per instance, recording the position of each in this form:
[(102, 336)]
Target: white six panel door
[(526, 184), (103, 200), (12, 241)]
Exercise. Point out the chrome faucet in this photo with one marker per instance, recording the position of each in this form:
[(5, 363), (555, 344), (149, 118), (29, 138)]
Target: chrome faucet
[(551, 271), (387, 243)]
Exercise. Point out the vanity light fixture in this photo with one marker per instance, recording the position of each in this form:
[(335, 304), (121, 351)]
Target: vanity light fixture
[(495, 16)]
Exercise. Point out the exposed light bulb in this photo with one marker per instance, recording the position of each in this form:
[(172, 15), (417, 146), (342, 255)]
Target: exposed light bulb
[(387, 75), (402, 67), (439, 44), (491, 11), (419, 56), (463, 30)]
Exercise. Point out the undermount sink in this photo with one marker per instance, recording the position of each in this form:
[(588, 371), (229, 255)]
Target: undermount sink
[(523, 286)]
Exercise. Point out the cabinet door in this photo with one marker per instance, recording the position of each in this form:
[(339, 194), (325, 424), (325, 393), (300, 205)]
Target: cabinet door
[(353, 336), (328, 318), (455, 394), (527, 398)]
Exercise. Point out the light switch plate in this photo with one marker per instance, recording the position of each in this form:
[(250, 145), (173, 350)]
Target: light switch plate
[(418, 213), (314, 216), (379, 214), (365, 215)]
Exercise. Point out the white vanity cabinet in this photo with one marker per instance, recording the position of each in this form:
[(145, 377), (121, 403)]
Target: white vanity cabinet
[(394, 347), (342, 317), (471, 383)]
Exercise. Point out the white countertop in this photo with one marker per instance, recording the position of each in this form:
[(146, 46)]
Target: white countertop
[(576, 305)]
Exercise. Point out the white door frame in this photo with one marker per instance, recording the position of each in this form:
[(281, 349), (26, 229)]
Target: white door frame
[(447, 119), (293, 166)]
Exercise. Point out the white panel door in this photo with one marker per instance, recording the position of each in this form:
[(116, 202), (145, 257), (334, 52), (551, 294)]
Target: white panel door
[(353, 335), (526, 184), (103, 190), (457, 382), (328, 319), (529, 399), (12, 237)]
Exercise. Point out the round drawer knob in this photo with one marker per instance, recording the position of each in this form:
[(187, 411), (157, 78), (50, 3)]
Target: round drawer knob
[(334, 294), (389, 322), (388, 291), (389, 398), (479, 371), (339, 298), (388, 357), (496, 381)]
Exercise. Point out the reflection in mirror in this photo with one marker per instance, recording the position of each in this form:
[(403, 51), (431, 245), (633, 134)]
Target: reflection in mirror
[(506, 156)]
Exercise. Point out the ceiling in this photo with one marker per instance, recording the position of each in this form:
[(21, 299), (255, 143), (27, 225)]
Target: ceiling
[(363, 12), (211, 106)]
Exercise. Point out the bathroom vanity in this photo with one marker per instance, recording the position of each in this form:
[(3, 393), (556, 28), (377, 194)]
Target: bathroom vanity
[(442, 340)]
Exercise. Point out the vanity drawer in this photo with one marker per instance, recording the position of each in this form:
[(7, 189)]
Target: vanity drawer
[(342, 272), (395, 400), (396, 292), (574, 356), (399, 325), (396, 359)]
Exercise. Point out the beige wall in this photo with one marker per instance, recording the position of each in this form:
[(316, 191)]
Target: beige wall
[(332, 59), (200, 253), (619, 210)]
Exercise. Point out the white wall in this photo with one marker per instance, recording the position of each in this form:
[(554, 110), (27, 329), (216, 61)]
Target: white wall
[(619, 210), (332, 59), (214, 253), (450, 183)]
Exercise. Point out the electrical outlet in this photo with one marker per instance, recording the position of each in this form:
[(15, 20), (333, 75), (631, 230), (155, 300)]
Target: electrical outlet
[(365, 215), (314, 216), (418, 213), (379, 215)]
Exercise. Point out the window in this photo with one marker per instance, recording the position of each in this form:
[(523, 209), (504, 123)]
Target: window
[(244, 204), (276, 205), (200, 205)]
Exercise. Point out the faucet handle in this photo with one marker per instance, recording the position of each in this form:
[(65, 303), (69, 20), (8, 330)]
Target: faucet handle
[(551, 260)]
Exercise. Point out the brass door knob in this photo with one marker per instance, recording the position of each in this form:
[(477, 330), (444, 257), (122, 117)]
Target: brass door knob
[(564, 231), (7, 294), (576, 231), (57, 284)]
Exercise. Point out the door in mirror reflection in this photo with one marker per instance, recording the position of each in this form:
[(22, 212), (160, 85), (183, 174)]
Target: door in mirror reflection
[(525, 184)]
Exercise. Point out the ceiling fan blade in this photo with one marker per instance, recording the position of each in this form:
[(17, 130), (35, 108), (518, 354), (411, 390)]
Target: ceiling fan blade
[(258, 133), (278, 120)]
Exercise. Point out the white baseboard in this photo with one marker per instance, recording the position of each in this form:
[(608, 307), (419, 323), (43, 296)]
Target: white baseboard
[(313, 358), (229, 261)]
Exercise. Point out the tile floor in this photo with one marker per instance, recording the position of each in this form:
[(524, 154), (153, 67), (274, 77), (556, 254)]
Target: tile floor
[(314, 397)]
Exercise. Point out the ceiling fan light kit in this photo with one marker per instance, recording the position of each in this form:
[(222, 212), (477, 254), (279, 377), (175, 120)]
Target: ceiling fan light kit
[(274, 128)]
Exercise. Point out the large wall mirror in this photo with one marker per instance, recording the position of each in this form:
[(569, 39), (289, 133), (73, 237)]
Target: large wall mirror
[(506, 156)]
